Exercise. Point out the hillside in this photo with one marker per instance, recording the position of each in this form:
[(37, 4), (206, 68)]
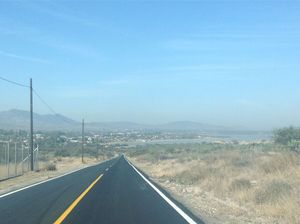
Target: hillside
[(20, 119)]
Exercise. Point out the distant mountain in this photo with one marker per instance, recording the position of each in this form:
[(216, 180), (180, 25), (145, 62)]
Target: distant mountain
[(20, 119)]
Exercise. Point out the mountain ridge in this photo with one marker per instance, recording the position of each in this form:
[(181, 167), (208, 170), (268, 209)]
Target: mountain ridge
[(20, 119)]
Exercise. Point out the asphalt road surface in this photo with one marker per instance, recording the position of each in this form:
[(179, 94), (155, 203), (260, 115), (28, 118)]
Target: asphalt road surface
[(113, 192)]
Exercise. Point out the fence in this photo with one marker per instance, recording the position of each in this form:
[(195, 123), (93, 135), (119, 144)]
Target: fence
[(15, 159)]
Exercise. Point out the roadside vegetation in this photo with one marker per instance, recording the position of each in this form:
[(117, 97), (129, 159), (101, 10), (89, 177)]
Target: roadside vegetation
[(223, 182), (56, 156), (289, 137), (233, 182)]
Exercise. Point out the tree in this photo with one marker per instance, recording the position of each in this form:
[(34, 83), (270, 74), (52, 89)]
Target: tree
[(285, 136)]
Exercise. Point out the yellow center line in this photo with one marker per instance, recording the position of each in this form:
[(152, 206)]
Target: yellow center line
[(73, 205)]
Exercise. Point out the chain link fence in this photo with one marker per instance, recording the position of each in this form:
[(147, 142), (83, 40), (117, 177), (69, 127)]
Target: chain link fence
[(15, 159)]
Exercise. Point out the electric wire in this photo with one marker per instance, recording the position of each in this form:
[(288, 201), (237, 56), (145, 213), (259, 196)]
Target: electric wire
[(38, 95), (44, 102), (13, 82)]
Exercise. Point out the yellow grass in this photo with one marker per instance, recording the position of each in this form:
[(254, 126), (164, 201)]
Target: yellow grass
[(231, 185)]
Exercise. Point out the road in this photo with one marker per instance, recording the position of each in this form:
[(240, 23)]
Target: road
[(112, 192)]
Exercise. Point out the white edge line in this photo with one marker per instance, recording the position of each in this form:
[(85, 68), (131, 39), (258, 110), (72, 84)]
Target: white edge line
[(173, 205), (53, 178)]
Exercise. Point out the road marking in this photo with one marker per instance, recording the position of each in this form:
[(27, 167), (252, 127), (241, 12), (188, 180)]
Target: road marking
[(171, 203), (44, 181), (54, 178), (75, 203)]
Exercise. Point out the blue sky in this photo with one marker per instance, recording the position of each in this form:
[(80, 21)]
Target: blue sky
[(233, 63)]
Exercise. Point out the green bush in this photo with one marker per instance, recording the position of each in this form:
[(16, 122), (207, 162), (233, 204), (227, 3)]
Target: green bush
[(289, 137), (294, 145), (285, 135)]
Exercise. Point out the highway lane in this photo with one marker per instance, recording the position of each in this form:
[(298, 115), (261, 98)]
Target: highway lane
[(123, 196), (120, 195), (45, 202)]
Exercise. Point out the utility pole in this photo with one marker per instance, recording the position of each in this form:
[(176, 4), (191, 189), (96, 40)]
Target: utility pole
[(31, 126), (82, 141)]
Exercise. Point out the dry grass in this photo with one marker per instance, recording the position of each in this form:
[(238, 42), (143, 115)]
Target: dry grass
[(48, 169), (230, 184)]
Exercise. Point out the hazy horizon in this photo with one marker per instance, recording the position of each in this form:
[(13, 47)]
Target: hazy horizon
[(229, 63), (230, 127)]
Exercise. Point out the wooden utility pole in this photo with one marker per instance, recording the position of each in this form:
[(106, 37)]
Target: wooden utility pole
[(31, 127), (82, 141)]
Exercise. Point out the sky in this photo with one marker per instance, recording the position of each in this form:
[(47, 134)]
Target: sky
[(231, 63)]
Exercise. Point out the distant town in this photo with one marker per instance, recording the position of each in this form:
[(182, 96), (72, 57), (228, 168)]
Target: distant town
[(125, 139)]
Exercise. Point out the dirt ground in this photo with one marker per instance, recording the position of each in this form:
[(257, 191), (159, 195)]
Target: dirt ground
[(62, 165)]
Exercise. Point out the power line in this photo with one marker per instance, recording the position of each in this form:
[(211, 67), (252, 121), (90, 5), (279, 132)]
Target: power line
[(13, 82), (49, 107), (36, 93), (44, 102)]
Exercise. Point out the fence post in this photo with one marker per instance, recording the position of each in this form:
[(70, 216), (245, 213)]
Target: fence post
[(22, 159), (34, 158), (28, 160), (8, 159), (5, 154), (37, 158), (15, 158)]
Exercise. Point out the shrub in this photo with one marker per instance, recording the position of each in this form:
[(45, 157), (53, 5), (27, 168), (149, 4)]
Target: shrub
[(62, 153), (285, 135), (51, 167), (187, 177), (294, 145), (240, 184), (43, 157), (273, 192), (196, 174), (165, 157), (240, 162)]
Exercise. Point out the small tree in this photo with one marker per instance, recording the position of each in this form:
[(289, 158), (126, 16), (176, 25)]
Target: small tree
[(289, 137), (285, 135), (294, 145)]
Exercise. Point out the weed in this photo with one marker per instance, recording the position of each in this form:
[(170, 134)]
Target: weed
[(273, 192)]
